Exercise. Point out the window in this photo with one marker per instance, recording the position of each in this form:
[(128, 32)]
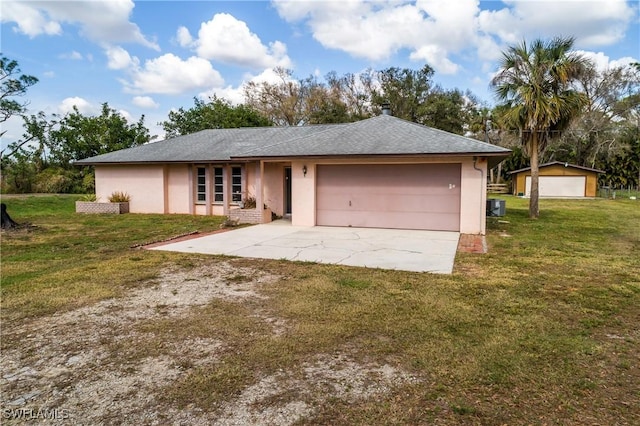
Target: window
[(201, 184), (236, 184), (215, 184), (218, 187)]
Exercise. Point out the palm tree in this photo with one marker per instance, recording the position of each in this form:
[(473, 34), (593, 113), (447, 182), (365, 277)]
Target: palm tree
[(535, 83)]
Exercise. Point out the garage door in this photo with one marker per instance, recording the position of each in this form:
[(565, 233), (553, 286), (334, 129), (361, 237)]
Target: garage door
[(408, 196), (558, 186)]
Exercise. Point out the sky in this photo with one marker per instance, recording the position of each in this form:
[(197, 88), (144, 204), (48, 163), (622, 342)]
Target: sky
[(151, 57)]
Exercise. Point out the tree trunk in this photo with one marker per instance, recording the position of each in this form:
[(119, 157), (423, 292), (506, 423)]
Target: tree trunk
[(534, 209), (7, 222)]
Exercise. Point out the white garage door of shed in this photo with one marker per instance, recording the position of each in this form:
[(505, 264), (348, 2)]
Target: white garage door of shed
[(407, 196), (558, 186)]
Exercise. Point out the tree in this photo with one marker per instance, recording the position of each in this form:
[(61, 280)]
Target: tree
[(12, 86), (325, 108), (406, 90), (77, 136), (449, 110), (623, 169), (281, 102), (535, 82), (596, 136), (413, 97), (47, 166), (341, 99), (292, 102), (355, 92), (215, 114)]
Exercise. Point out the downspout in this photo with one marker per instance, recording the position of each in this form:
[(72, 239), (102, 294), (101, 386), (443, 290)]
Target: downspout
[(482, 188)]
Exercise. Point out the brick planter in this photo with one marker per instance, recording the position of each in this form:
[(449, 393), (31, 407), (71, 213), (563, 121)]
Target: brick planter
[(92, 207), (252, 216)]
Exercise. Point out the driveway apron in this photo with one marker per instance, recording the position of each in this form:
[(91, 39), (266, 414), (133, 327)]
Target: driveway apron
[(399, 249)]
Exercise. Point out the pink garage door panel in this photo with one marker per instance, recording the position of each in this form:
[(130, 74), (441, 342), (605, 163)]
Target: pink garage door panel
[(402, 196)]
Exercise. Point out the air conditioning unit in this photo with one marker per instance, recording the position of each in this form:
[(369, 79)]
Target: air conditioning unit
[(496, 207)]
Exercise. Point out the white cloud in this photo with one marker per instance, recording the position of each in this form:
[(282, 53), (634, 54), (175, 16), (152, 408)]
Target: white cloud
[(435, 56), (603, 62), (431, 30), (623, 62), (168, 74), (73, 55), (84, 106), (362, 29), (592, 22), (30, 20), (268, 75), (118, 58), (126, 115), (488, 49), (441, 32), (450, 25), (229, 40), (100, 21), (145, 102), (235, 95), (184, 38)]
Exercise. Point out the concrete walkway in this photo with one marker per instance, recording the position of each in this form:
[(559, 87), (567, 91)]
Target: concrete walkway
[(400, 249)]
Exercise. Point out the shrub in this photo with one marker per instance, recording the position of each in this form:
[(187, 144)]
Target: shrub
[(89, 197), (88, 182), (52, 180), (119, 197), (249, 203)]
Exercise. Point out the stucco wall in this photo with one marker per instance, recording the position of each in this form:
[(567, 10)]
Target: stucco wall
[(559, 170), (179, 191), (249, 183), (473, 196), (145, 185), (303, 194), (274, 187)]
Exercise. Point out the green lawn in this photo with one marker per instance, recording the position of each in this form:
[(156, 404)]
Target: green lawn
[(541, 330)]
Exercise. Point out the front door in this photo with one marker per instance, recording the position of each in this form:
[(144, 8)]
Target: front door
[(287, 190)]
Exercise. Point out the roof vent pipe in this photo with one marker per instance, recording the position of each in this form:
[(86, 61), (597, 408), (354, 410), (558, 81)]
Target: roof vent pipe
[(386, 108)]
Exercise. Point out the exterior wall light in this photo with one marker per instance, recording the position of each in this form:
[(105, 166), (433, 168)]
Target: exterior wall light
[(304, 170)]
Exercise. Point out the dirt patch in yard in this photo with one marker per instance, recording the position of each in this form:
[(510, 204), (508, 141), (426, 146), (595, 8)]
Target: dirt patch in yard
[(96, 365)]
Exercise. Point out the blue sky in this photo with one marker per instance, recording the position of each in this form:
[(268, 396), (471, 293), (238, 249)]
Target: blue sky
[(148, 57)]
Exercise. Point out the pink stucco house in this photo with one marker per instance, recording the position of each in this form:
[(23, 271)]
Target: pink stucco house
[(383, 172)]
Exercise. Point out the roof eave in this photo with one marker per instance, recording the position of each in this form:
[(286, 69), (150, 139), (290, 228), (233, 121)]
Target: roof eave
[(157, 162), (343, 156), (554, 163)]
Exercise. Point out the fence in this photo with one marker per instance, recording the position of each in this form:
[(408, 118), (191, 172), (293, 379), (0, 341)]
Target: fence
[(498, 188), (613, 192)]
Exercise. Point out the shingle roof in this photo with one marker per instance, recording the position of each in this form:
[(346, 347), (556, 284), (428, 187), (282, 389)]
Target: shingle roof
[(381, 135), (561, 163)]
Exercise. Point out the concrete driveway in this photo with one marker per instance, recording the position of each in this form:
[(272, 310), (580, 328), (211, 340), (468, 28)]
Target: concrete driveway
[(400, 249)]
